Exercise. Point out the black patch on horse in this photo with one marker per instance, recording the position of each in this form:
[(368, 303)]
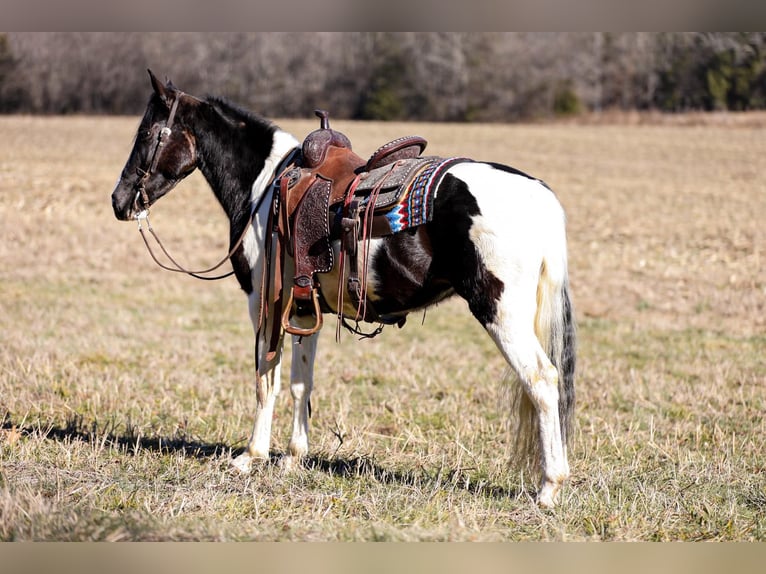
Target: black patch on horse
[(455, 255), (513, 170), (509, 169), (238, 147), (404, 269)]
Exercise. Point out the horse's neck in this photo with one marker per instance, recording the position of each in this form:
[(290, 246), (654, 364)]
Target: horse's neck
[(239, 169)]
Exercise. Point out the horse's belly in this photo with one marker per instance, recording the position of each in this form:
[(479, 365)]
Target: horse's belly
[(398, 278)]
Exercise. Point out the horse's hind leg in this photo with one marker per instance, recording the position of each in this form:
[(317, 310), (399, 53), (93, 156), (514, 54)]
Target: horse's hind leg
[(539, 379), (505, 253), (510, 310), (513, 330)]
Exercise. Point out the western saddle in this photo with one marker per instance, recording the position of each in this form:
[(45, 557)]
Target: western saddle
[(329, 194)]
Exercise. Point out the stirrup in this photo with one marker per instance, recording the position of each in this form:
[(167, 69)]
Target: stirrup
[(298, 330)]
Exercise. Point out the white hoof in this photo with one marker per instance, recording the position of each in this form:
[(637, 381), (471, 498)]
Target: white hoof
[(243, 463), (548, 495), (289, 463)]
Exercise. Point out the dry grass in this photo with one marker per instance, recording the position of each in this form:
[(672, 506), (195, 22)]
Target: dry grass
[(124, 389)]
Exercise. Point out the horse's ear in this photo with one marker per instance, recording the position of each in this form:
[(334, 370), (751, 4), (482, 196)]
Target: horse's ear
[(159, 89)]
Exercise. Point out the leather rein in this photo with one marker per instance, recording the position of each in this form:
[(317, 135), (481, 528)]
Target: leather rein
[(143, 215)]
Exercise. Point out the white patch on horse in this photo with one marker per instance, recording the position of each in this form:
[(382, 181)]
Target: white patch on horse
[(515, 210), (282, 145)]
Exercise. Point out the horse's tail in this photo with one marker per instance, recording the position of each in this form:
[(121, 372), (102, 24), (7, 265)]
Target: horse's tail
[(555, 330), (563, 341)]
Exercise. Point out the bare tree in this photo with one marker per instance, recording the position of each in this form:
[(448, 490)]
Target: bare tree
[(403, 75)]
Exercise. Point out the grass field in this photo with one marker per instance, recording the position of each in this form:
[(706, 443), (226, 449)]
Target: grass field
[(124, 389)]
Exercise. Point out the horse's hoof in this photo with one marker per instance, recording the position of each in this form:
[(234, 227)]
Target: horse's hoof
[(548, 495), (243, 463), (289, 463)]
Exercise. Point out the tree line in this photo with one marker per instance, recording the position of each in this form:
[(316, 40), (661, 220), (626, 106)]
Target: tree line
[(430, 76)]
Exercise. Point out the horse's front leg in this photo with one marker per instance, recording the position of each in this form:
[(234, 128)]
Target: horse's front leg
[(301, 384), (267, 385), (266, 391)]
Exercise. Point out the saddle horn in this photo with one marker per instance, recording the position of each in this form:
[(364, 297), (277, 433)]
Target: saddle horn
[(315, 145), (324, 119)]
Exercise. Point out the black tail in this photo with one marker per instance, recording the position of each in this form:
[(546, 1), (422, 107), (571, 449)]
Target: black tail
[(566, 356)]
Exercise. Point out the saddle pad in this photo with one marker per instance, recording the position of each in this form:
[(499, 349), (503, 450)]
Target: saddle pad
[(415, 199), (392, 179)]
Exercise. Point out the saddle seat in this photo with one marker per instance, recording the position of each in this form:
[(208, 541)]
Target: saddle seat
[(325, 197)]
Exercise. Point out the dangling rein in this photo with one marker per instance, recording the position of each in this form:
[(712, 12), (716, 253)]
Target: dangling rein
[(144, 216)]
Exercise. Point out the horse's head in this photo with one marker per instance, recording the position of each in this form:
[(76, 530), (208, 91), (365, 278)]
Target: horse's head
[(163, 154)]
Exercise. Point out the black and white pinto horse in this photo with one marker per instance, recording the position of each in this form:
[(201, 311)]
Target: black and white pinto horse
[(497, 238)]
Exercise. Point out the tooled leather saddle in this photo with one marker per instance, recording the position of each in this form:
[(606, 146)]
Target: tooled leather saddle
[(332, 194)]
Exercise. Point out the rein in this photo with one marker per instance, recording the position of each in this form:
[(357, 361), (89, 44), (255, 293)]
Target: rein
[(144, 215)]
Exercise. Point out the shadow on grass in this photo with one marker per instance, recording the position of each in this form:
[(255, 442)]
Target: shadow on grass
[(129, 440), (441, 478), (351, 468)]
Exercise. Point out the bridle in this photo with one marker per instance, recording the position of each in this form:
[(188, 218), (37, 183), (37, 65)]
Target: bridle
[(165, 132), (143, 215)]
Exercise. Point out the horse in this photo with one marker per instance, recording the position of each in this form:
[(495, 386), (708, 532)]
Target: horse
[(497, 238)]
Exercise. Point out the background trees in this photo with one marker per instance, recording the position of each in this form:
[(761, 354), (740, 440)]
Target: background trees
[(389, 76)]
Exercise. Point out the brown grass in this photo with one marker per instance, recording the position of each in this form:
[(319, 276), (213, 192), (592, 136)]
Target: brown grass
[(123, 388)]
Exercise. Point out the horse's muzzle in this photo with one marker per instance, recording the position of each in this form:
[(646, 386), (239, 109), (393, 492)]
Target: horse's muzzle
[(124, 202)]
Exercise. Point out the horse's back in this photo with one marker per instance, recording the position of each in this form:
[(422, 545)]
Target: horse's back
[(507, 196)]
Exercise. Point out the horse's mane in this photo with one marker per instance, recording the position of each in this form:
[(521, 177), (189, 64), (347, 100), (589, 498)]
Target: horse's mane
[(236, 114)]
